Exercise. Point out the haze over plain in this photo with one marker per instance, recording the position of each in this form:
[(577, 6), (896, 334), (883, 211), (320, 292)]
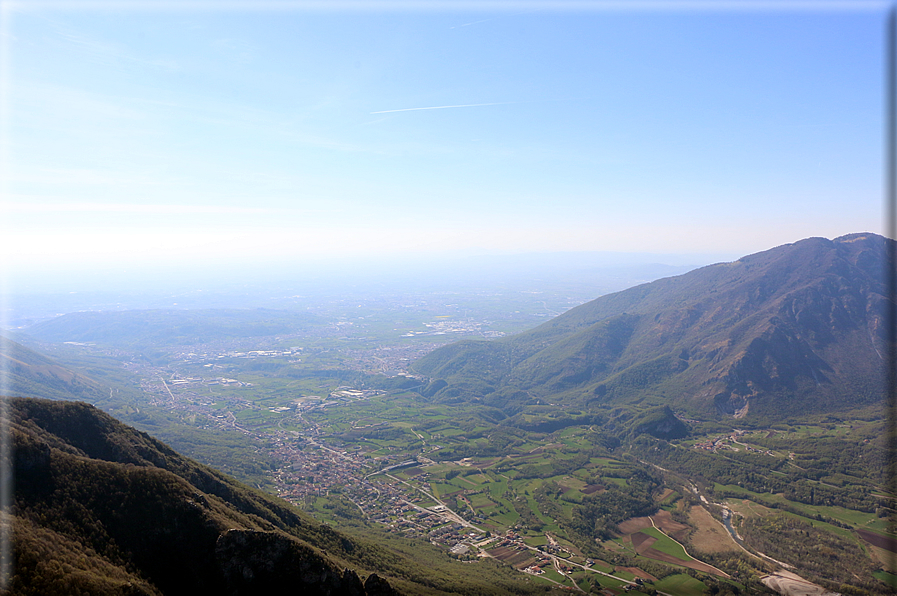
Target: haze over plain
[(471, 170), (148, 142)]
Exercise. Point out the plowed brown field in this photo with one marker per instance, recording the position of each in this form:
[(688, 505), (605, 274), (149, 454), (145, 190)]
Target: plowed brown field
[(710, 537), (885, 542), (641, 542), (634, 524), (673, 529)]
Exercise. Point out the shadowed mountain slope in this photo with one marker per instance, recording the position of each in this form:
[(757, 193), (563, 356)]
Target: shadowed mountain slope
[(103, 508), (131, 516), (797, 328), (32, 374)]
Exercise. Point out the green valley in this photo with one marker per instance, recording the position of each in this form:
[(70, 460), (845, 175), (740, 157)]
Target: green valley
[(571, 455)]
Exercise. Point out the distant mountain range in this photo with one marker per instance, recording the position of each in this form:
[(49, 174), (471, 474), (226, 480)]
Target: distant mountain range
[(797, 329)]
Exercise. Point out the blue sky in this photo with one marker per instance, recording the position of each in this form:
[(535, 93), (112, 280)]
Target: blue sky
[(192, 138)]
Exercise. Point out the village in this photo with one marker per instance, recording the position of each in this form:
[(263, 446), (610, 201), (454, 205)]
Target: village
[(728, 442), (317, 470)]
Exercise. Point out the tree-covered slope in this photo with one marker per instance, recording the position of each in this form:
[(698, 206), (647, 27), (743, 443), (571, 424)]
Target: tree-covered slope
[(29, 373), (797, 328), (133, 516), (103, 508)]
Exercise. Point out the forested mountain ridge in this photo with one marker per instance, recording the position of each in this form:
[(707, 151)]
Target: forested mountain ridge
[(102, 507), (797, 328), (30, 373)]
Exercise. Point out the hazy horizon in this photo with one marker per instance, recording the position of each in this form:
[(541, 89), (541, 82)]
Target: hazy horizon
[(152, 143)]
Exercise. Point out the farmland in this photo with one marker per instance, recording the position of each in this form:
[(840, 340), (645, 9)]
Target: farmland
[(573, 498)]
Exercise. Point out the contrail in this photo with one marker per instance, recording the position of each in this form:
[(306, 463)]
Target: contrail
[(469, 105), (469, 24)]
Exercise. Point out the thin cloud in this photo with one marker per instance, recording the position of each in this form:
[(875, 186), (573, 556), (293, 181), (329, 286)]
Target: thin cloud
[(469, 24), (126, 208), (468, 105), (107, 53), (367, 6)]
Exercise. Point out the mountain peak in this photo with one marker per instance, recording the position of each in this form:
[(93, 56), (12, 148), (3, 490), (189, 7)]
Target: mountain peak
[(796, 328)]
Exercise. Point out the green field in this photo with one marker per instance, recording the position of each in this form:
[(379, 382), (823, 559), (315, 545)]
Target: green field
[(888, 578), (531, 482), (681, 585), (667, 545)]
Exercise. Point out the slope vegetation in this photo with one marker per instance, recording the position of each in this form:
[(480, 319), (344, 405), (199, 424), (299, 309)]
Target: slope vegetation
[(103, 508), (797, 328), (32, 374)]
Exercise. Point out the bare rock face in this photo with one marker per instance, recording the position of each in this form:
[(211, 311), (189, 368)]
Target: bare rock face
[(375, 585), (272, 563)]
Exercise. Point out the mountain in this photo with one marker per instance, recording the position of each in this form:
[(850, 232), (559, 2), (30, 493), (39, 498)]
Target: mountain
[(102, 508), (107, 509), (799, 328), (32, 374)]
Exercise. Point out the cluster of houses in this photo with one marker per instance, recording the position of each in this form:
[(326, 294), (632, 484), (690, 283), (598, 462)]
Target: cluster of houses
[(464, 327), (314, 470), (726, 442), (538, 567), (713, 444), (205, 356), (185, 381)]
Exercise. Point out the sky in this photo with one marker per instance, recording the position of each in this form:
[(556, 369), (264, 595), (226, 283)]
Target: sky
[(165, 136)]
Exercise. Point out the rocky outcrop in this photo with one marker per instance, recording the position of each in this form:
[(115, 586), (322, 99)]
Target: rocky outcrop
[(101, 508), (375, 585), (255, 562)]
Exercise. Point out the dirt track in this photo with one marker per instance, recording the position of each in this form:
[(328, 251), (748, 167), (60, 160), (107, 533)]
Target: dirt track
[(668, 526), (642, 543), (789, 584), (653, 553), (661, 519)]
